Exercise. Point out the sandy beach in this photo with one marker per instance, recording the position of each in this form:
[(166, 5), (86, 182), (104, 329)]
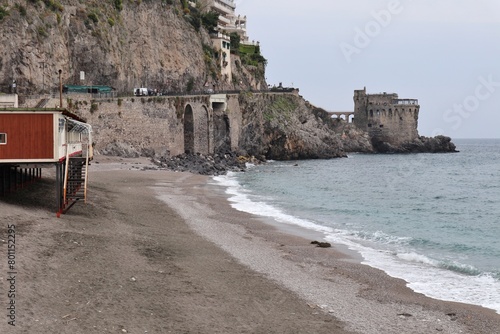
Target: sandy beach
[(155, 251)]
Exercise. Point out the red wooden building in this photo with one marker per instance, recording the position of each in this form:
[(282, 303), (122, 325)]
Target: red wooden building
[(34, 138)]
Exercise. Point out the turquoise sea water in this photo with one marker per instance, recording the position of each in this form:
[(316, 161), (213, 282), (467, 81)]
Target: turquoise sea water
[(431, 219)]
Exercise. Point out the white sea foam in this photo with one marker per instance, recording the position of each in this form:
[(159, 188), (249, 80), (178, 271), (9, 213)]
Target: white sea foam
[(424, 275), (417, 258), (241, 201)]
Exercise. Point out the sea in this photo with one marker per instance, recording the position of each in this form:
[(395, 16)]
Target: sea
[(430, 219)]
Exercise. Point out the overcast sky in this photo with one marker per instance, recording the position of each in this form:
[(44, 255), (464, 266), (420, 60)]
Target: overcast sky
[(446, 53)]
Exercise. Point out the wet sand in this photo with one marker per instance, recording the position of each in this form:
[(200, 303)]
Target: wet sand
[(162, 252)]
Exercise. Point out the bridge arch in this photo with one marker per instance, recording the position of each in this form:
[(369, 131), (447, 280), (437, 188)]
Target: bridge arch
[(202, 133), (347, 116), (221, 133), (188, 129)]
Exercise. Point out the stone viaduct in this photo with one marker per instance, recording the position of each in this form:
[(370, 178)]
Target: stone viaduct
[(169, 125), (347, 116), (182, 124)]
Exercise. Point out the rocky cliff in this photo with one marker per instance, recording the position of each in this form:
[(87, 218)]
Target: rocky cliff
[(285, 127), (123, 45)]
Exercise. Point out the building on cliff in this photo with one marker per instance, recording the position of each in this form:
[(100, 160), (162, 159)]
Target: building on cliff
[(386, 117), (227, 24)]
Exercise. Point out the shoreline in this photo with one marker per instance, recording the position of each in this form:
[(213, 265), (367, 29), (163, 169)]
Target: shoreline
[(192, 263), (418, 277), (292, 229)]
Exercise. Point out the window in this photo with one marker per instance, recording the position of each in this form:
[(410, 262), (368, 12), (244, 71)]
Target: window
[(3, 138)]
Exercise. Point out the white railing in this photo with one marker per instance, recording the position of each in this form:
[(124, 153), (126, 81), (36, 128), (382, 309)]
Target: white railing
[(254, 43), (405, 101), (221, 36)]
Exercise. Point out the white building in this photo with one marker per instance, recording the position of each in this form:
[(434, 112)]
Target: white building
[(228, 23)]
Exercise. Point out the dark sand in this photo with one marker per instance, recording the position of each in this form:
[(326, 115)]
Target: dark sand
[(163, 252)]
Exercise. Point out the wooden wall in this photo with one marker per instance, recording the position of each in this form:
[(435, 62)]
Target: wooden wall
[(29, 136)]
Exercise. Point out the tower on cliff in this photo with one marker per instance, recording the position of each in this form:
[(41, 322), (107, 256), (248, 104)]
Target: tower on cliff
[(386, 117)]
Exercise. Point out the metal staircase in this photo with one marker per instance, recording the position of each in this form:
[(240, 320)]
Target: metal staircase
[(76, 152), (75, 180)]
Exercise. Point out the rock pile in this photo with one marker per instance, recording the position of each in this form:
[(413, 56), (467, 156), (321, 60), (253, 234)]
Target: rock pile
[(217, 164)]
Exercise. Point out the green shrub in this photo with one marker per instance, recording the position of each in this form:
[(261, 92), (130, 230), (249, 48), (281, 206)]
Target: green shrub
[(93, 17), (250, 55), (111, 22), (53, 5), (210, 20), (3, 13), (119, 4), (120, 101), (93, 107), (235, 42), (21, 9), (42, 32)]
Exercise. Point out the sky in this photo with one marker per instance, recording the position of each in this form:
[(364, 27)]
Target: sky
[(445, 53)]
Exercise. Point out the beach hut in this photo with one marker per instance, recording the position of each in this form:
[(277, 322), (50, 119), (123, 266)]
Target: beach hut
[(31, 139)]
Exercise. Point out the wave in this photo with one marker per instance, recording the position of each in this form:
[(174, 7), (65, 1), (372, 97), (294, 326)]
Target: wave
[(448, 281), (462, 268)]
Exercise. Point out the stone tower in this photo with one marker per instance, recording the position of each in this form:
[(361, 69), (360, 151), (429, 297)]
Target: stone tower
[(386, 117)]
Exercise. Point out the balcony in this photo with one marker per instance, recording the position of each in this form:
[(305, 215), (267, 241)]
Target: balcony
[(223, 8), (224, 20)]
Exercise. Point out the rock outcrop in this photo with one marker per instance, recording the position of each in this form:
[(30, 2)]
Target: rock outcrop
[(438, 144), (285, 127)]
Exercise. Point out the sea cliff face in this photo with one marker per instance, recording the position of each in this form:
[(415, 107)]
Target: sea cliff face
[(285, 127)]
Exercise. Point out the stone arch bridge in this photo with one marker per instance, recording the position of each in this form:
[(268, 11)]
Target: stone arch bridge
[(347, 116), (206, 126)]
